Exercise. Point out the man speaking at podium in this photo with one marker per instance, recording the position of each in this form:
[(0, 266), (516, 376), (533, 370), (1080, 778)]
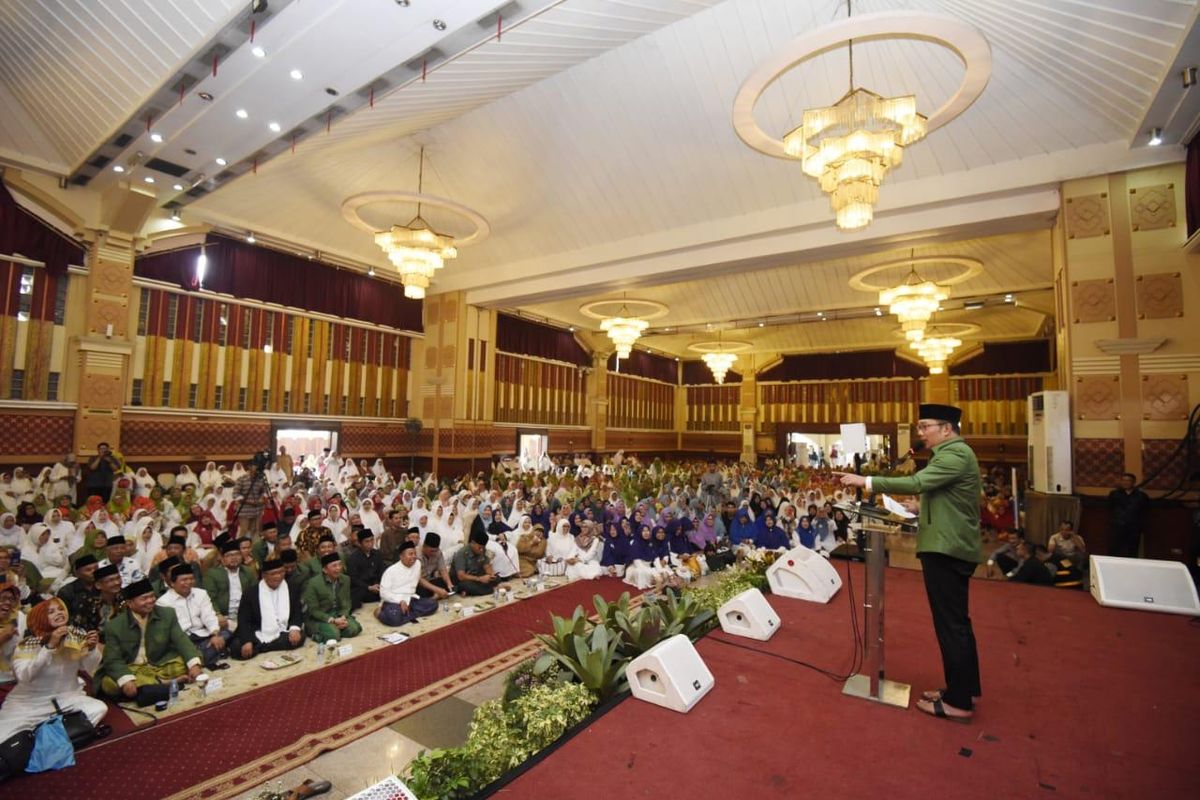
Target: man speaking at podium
[(949, 547)]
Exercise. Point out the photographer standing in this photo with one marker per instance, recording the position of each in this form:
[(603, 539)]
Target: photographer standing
[(102, 470), (252, 492)]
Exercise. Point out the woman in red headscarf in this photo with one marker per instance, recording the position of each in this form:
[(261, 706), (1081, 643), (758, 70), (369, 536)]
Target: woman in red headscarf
[(46, 665)]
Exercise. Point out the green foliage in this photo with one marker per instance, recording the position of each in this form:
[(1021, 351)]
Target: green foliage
[(606, 612), (525, 678), (641, 630), (500, 738), (594, 660), (685, 614), (562, 640), (727, 585)]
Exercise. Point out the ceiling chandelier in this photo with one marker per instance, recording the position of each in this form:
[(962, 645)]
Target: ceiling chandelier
[(913, 302), (850, 146), (624, 331), (416, 250), (719, 363), (935, 348)]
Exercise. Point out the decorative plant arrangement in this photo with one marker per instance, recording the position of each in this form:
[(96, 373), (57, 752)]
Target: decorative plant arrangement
[(582, 667)]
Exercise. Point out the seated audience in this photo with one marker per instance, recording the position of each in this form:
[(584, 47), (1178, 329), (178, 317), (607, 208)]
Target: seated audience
[(145, 646), (226, 582), (365, 568), (401, 601), (435, 579), (93, 610), (327, 603), (1032, 566), (531, 548), (83, 582), (471, 568), (46, 665), (12, 629), (1067, 545), (117, 553), (196, 615), (271, 615)]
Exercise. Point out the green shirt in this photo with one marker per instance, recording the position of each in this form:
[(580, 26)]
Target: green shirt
[(164, 640), (950, 490), (324, 601)]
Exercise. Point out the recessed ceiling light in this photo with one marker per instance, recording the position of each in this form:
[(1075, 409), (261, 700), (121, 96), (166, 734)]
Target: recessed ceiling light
[(762, 324), (973, 305), (205, 96), (241, 113), (878, 312), (148, 179), (296, 74), (156, 138), (1156, 135), (221, 162), (175, 216), (370, 272), (274, 126), (571, 328), (439, 25), (820, 313), (332, 92), (178, 187), (118, 168), (258, 52), (250, 238)]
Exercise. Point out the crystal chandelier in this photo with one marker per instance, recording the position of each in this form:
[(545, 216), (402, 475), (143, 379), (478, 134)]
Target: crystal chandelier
[(913, 302), (850, 146), (416, 249), (935, 350), (719, 363), (624, 331)]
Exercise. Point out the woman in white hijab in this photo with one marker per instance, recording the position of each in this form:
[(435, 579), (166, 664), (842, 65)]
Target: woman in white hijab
[(238, 470), (337, 524), (11, 534), (370, 517), (148, 541), (60, 482), (506, 562), (142, 483), (46, 555), (41, 484), (275, 476), (101, 522), (560, 546), (21, 485), (186, 478), (210, 478), (584, 561), (518, 511), (62, 532)]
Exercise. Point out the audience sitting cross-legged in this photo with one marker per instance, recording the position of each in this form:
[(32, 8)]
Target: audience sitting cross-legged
[(196, 615), (327, 603), (271, 615), (401, 601), (145, 646)]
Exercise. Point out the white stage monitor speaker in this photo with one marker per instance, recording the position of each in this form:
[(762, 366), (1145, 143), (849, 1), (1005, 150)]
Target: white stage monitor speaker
[(671, 674), (750, 615), (1144, 584), (805, 575)]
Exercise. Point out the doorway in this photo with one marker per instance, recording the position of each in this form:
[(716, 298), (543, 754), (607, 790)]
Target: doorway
[(532, 445), (809, 449), (306, 445)]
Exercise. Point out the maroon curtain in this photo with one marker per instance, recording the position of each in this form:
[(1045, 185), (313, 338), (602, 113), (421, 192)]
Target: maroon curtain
[(21, 233), (697, 373), (259, 273), (834, 366), (647, 365), (1191, 185), (1002, 358), (524, 338)]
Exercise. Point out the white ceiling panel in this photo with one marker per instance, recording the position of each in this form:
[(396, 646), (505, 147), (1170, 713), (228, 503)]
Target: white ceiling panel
[(79, 68)]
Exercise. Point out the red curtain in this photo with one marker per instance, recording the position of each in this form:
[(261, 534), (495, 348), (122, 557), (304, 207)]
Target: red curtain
[(259, 273), (1191, 185), (1001, 358), (834, 366), (21, 233), (647, 365), (524, 338), (697, 373)]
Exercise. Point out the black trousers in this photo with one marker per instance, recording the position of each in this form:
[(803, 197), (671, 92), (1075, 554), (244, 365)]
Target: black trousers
[(1126, 542), (947, 583), (281, 642), (438, 582)]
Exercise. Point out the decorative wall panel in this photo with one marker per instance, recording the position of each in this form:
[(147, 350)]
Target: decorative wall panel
[(193, 439), (1160, 296), (1162, 454), (42, 433), (1087, 216), (713, 408), (1165, 397), (724, 444), (635, 441), (1093, 301), (1098, 397), (1099, 462), (892, 400), (538, 392), (1152, 207)]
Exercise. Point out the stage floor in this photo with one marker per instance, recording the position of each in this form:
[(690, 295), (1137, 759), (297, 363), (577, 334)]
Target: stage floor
[(1079, 701)]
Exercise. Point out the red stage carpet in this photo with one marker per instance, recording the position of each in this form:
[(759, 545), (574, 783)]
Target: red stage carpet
[(285, 724), (1079, 702)]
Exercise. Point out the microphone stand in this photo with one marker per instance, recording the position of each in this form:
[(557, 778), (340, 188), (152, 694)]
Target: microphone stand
[(870, 684)]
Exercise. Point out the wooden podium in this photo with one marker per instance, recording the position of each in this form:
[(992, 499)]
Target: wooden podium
[(870, 684)]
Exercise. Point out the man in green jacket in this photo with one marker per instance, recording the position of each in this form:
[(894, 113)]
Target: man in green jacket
[(948, 544), (226, 582), (327, 603), (144, 645)]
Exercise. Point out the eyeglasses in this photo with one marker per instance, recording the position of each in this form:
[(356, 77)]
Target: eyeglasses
[(922, 426)]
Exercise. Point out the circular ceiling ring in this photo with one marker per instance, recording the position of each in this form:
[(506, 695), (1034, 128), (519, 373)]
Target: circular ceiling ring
[(971, 268), (957, 330), (965, 40), (721, 346), (634, 308), (351, 205)]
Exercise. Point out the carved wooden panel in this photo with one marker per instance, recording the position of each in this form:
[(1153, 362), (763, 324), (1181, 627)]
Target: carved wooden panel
[(1160, 295), (1164, 397), (100, 391), (1094, 301), (1152, 207), (1099, 462), (1098, 397), (447, 357), (431, 355), (1087, 216), (450, 308), (431, 307)]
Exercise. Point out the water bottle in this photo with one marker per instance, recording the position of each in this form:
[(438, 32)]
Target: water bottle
[(173, 697), (445, 606), (320, 653)]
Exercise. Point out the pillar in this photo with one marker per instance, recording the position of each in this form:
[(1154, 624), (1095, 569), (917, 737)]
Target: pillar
[(597, 407), (748, 416)]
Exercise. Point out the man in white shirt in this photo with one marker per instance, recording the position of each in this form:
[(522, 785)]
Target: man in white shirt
[(116, 549), (196, 616), (400, 603)]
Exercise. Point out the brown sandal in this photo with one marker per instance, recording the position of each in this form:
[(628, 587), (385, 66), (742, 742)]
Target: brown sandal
[(310, 788)]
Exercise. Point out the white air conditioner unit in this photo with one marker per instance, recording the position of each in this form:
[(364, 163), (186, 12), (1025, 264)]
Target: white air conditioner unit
[(1049, 417)]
